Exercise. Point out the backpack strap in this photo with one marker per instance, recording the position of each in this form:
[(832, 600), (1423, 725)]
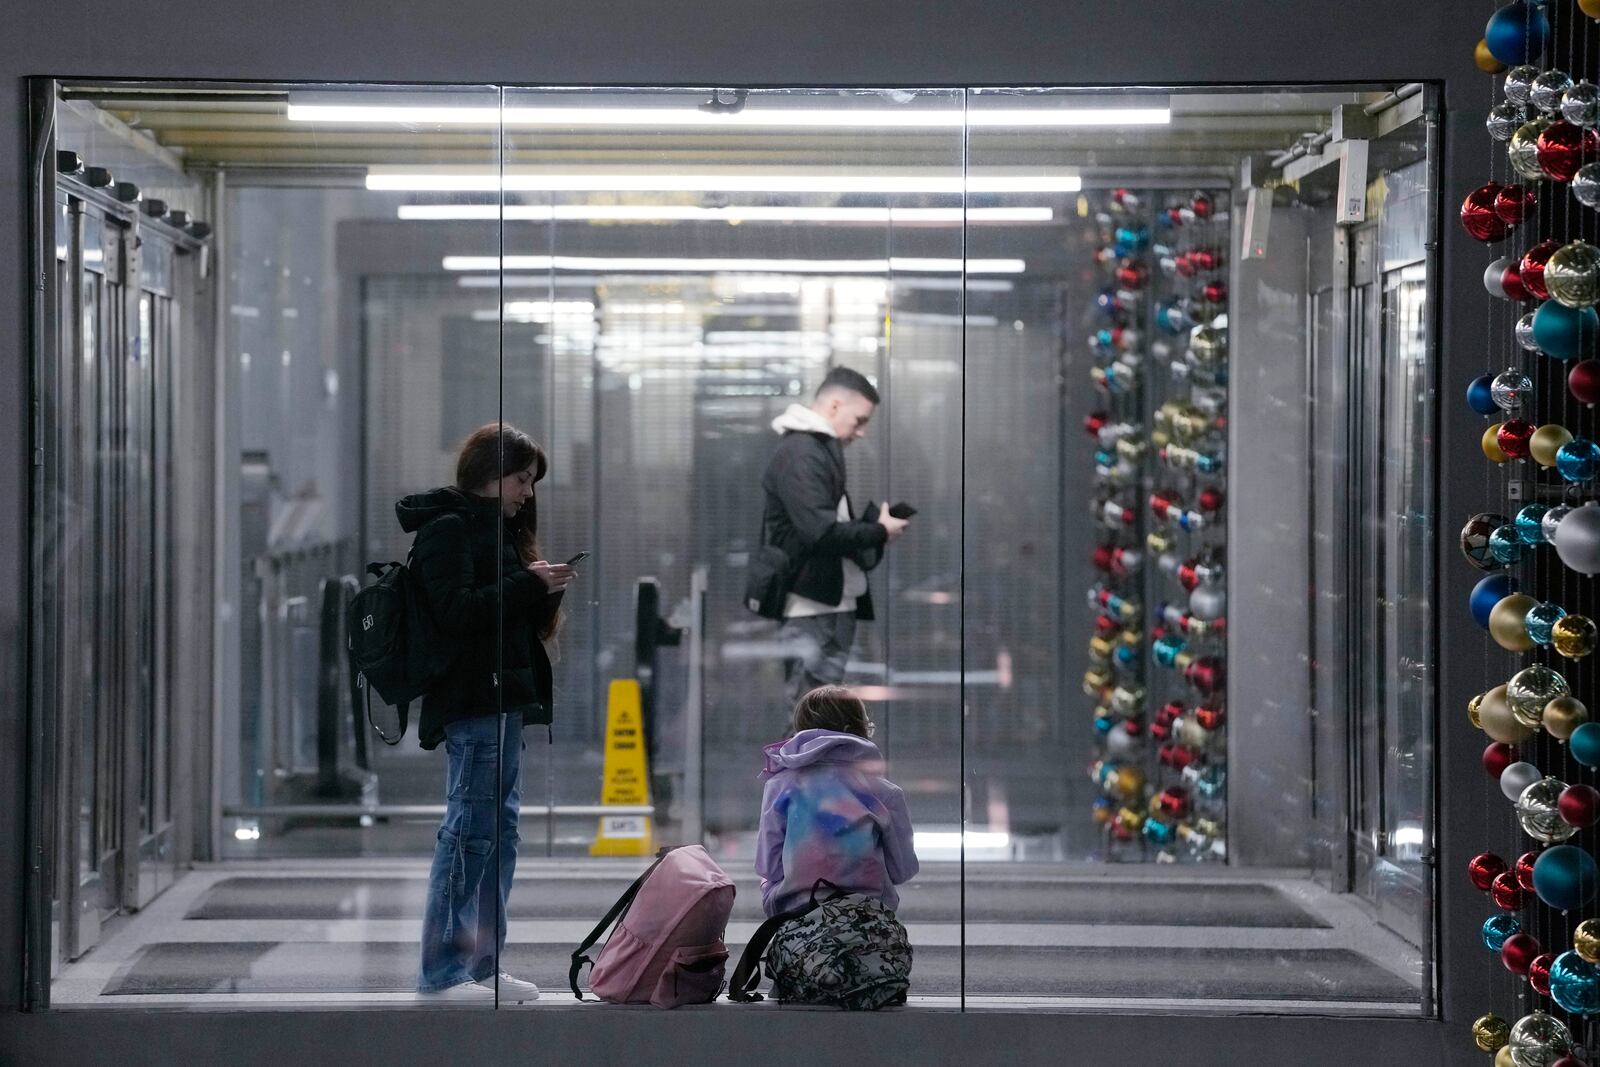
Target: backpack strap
[(404, 708), (620, 908), (747, 973)]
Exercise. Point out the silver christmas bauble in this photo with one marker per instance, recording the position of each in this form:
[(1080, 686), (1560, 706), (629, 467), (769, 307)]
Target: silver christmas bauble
[(1552, 519), (1577, 539), (1545, 92), (1509, 388), (1208, 602), (1517, 777), (1539, 812), (1503, 121), (1586, 185), (1580, 105), (1525, 333), (1573, 275), (1518, 83)]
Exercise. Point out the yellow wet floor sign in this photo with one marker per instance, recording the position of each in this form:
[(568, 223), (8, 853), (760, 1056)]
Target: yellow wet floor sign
[(626, 779)]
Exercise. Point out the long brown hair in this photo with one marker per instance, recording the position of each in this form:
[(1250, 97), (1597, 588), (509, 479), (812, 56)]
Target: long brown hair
[(492, 452)]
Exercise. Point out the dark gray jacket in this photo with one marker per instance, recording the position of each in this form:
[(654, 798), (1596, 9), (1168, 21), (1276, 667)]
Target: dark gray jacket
[(802, 486)]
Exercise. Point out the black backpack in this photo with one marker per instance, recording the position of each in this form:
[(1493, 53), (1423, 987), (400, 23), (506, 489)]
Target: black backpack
[(395, 646)]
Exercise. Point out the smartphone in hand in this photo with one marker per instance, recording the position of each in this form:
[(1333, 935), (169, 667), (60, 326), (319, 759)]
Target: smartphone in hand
[(902, 510), (575, 560)]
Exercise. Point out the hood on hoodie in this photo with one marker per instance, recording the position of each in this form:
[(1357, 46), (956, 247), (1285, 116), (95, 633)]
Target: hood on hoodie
[(801, 419), (808, 748), (418, 509)]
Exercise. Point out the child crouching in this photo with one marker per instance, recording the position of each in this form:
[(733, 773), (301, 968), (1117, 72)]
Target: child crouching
[(834, 833)]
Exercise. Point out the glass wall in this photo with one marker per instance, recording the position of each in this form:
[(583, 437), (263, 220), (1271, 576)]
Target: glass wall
[(1148, 692)]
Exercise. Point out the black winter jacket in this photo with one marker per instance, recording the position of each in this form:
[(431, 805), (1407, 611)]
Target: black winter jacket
[(803, 484), (468, 590)]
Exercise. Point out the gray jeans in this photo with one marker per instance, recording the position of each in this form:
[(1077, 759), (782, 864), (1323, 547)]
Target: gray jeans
[(820, 648)]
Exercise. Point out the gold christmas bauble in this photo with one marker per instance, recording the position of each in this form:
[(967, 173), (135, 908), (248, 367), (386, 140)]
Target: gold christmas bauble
[(1573, 636), (1546, 442), (1563, 715), (1491, 444), (1586, 939), (1590, 8), (1507, 622), (1485, 58), (1472, 710), (1490, 1032), (1494, 712), (1502, 1057)]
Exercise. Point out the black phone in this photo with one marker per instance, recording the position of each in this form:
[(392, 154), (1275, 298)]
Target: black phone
[(902, 510), (579, 558)]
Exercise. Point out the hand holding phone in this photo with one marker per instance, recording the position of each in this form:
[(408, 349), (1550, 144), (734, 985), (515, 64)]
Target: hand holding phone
[(575, 560), (902, 510)]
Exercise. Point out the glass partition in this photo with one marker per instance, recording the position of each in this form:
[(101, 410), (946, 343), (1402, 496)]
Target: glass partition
[(1155, 697)]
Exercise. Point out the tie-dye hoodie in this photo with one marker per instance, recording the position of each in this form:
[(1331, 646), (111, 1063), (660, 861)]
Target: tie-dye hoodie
[(828, 812)]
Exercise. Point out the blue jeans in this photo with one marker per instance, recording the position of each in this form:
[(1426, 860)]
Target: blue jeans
[(464, 927)]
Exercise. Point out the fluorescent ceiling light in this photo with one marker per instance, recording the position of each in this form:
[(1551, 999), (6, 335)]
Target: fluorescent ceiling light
[(662, 265), (479, 180), (682, 114), (684, 213)]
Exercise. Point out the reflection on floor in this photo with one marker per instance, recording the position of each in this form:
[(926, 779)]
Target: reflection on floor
[(320, 932)]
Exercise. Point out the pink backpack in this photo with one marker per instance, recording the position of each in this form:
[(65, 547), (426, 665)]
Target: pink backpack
[(667, 947)]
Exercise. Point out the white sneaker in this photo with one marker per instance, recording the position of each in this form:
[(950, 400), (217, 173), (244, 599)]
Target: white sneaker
[(465, 993), (516, 990)]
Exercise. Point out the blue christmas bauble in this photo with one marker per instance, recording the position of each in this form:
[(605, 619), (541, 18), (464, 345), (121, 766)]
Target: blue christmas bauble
[(1528, 521), (1584, 744), (1489, 592), (1479, 396), (1564, 333), (1575, 984), (1565, 877), (1505, 544), (1498, 927), (1540, 619), (1578, 460), (1517, 33)]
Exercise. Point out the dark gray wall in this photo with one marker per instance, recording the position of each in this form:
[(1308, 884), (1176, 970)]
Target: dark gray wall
[(836, 42)]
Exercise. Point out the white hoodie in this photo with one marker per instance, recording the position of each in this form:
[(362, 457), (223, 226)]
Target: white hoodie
[(800, 418)]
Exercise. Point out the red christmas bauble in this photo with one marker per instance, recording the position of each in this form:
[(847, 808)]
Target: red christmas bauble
[(1583, 381), (1484, 868), (1132, 276), (1175, 216), (1201, 206), (1094, 422), (1519, 952), (1105, 625), (1511, 282), (1216, 292), (1211, 498), (1579, 805), (1539, 973), (1497, 757), (1514, 203), (1514, 436), (1102, 557), (1174, 802), (1569, 1061), (1531, 269), (1170, 710), (1205, 259), (1563, 148), (1506, 893), (1523, 869), (1187, 576), (1206, 674), (1185, 263), (1478, 216)]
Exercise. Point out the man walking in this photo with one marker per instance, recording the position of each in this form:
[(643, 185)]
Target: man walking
[(811, 568)]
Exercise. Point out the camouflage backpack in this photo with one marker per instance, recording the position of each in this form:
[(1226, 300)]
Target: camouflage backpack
[(848, 950)]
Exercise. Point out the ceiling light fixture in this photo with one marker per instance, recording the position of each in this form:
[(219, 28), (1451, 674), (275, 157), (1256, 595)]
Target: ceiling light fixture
[(665, 265), (479, 180)]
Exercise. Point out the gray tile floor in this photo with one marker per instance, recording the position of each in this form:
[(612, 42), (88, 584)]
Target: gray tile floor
[(1062, 937)]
